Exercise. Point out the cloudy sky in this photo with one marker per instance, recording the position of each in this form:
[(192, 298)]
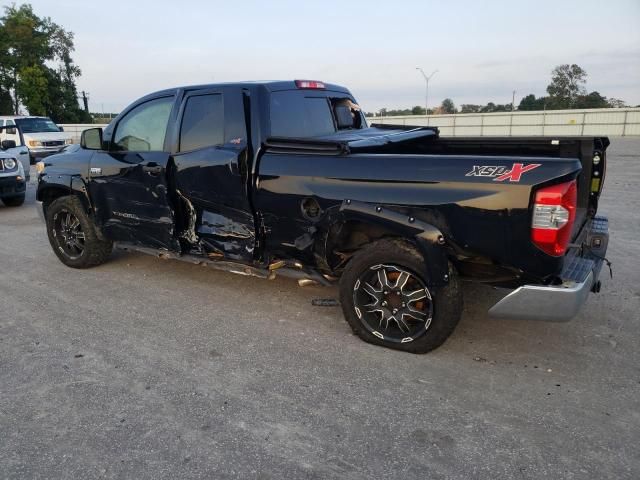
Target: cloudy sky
[(483, 50)]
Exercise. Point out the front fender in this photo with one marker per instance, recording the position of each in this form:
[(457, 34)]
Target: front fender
[(52, 186), (429, 239)]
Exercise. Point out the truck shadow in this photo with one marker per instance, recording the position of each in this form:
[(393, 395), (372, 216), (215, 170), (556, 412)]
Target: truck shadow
[(283, 300)]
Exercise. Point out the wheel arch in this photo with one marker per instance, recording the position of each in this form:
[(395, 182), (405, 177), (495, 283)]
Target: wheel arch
[(358, 224), (65, 185)]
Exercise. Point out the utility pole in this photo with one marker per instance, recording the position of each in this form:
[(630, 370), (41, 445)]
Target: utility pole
[(426, 94), (513, 101), (85, 100)]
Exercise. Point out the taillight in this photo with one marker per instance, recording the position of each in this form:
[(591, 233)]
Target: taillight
[(313, 84), (554, 212)]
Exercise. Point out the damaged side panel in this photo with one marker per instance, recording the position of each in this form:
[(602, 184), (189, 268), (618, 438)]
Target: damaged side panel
[(216, 218), (131, 198), (229, 232)]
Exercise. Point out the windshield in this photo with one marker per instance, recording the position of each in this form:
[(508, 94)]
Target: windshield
[(34, 125), (307, 114)]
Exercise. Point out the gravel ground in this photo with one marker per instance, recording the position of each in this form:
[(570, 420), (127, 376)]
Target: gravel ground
[(151, 369)]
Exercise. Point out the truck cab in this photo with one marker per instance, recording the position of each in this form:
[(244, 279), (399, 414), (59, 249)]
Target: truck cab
[(40, 135)]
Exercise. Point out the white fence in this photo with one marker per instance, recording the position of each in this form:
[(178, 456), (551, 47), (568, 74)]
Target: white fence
[(615, 122), (77, 128)]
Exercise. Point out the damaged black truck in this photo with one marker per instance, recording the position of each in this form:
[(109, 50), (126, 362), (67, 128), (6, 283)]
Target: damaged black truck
[(287, 178)]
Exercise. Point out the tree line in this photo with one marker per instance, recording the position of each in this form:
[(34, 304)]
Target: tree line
[(567, 90), (37, 72)]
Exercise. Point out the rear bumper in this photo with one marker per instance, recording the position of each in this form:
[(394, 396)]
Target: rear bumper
[(580, 275)]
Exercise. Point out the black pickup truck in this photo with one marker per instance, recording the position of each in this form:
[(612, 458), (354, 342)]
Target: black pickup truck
[(287, 178)]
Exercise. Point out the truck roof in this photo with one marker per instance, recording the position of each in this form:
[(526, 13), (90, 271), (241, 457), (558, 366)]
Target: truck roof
[(270, 85)]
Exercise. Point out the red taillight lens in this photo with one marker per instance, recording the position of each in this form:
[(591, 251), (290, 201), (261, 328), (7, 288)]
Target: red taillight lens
[(554, 212), (310, 84)]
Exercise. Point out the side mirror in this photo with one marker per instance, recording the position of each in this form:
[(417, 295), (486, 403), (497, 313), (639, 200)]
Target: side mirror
[(7, 144), (91, 139), (8, 129), (61, 129)]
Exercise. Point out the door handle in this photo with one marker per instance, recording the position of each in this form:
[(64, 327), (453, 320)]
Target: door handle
[(152, 168)]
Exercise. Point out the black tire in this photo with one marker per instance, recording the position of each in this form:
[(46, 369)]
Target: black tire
[(84, 252), (14, 201), (440, 309)]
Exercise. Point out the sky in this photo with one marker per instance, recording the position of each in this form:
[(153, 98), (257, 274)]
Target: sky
[(483, 50)]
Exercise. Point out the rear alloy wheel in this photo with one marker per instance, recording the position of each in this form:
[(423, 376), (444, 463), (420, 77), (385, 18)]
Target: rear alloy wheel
[(73, 236), (388, 299), (393, 303)]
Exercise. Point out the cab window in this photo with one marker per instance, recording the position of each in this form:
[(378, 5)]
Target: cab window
[(143, 129), (202, 122)]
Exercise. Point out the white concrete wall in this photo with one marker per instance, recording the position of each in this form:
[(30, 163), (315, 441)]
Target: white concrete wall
[(77, 128), (612, 122)]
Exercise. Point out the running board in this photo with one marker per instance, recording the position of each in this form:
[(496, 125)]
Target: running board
[(227, 266)]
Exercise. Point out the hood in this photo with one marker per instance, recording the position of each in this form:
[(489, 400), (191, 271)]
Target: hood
[(47, 136)]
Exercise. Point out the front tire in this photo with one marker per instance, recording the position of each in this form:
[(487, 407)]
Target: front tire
[(72, 234), (14, 201), (387, 299)]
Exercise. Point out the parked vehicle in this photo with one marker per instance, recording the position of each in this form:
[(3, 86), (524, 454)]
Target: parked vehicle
[(13, 180), (40, 135), (15, 149), (286, 178)]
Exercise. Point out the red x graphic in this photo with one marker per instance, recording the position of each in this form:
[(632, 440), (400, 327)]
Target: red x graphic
[(516, 172)]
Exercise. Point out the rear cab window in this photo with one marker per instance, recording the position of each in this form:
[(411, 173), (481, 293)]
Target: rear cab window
[(308, 113)]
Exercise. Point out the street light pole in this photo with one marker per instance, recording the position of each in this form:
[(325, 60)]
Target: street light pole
[(426, 94)]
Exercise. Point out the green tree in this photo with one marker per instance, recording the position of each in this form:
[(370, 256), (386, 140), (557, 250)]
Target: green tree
[(36, 68), (567, 84), (469, 108), (448, 106), (530, 102), (32, 89), (488, 108), (417, 110), (616, 103), (592, 100)]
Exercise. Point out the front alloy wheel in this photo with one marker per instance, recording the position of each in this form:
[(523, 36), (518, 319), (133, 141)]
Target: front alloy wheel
[(68, 234)]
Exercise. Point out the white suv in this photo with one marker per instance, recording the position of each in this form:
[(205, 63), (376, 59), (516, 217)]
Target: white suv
[(40, 135)]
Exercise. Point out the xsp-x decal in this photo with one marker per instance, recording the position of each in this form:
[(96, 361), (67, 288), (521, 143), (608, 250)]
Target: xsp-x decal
[(500, 173)]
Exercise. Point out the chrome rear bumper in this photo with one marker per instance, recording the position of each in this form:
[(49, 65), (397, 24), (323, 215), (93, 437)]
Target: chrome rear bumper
[(548, 303), (560, 303)]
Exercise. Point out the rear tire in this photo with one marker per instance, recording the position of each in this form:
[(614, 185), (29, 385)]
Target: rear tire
[(406, 314), (14, 201), (72, 234)]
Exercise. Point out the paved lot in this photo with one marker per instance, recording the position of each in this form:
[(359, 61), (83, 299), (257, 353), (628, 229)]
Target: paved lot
[(151, 369)]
